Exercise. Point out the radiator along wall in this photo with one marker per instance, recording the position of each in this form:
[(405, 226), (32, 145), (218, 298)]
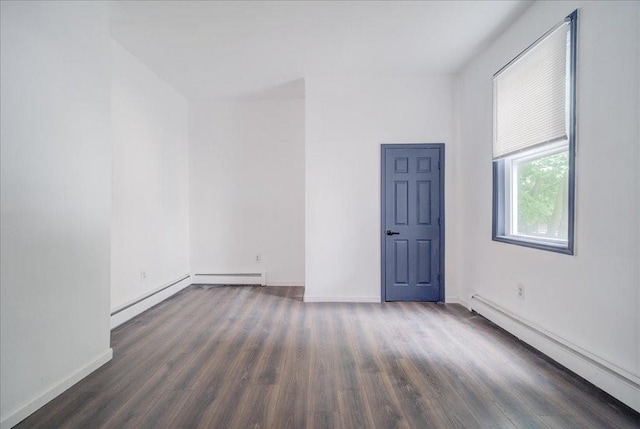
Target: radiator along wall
[(589, 301), (246, 189), (150, 220)]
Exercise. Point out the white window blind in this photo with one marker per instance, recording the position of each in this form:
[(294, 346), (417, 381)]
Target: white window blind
[(530, 96)]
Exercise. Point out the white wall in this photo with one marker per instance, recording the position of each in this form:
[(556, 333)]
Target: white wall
[(590, 299), (150, 211), (246, 170), (348, 117), (55, 199)]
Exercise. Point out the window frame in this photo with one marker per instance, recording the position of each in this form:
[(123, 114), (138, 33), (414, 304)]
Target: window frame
[(501, 192)]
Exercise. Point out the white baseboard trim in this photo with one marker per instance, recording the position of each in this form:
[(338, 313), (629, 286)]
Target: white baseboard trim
[(287, 284), (230, 278), (128, 311), (23, 411), (312, 298), (455, 300), (616, 381)]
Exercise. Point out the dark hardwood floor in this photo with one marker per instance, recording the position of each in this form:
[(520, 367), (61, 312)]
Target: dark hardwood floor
[(245, 357)]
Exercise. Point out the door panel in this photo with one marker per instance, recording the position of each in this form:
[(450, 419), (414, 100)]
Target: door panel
[(424, 262), (423, 207), (401, 202), (401, 248), (412, 233)]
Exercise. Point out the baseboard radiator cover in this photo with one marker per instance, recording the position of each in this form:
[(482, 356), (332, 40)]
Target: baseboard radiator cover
[(131, 309), (618, 382), (230, 278)]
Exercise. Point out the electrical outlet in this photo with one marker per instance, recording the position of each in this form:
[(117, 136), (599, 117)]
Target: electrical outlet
[(258, 258), (520, 291), (143, 275)]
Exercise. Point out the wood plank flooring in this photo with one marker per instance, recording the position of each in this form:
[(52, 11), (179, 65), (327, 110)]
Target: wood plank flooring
[(251, 357)]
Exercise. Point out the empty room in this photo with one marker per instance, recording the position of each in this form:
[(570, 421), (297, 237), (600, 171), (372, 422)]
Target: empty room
[(320, 214)]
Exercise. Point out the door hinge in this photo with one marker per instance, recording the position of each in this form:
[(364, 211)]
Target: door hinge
[(438, 165), (439, 222), (439, 278)]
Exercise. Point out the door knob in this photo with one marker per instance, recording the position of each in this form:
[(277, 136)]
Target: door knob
[(389, 232)]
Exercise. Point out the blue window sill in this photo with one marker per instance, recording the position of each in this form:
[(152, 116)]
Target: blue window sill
[(542, 245)]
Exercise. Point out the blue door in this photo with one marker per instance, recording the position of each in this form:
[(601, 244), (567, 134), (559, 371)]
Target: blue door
[(412, 222)]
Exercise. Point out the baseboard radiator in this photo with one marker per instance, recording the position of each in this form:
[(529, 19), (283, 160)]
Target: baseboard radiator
[(127, 311), (231, 278), (614, 380)]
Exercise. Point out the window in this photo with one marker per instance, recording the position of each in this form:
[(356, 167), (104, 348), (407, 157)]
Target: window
[(534, 143)]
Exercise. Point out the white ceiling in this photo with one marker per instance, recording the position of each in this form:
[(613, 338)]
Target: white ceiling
[(240, 49)]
